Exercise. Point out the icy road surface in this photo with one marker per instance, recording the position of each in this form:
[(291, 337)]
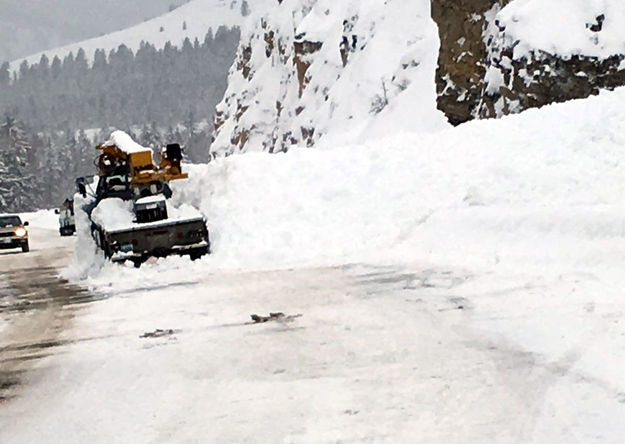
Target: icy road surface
[(380, 354), (36, 309)]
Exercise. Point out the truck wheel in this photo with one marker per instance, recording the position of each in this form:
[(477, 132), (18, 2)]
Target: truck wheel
[(25, 248), (196, 254), (137, 262)]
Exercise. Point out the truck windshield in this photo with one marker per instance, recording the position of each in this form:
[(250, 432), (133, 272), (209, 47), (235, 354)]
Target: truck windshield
[(9, 221)]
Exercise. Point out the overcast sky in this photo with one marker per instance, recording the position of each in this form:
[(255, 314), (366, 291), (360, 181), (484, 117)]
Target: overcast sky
[(30, 26)]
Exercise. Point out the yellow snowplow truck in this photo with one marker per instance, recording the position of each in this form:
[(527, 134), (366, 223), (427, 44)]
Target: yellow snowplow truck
[(130, 215)]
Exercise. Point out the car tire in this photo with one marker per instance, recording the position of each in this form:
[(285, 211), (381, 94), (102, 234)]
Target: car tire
[(25, 248)]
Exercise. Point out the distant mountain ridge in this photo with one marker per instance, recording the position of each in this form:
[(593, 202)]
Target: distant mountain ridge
[(31, 26), (192, 20)]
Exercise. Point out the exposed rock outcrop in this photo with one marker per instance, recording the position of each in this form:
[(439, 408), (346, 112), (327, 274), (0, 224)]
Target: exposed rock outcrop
[(481, 74), (516, 82), (310, 68), (307, 68), (462, 61)]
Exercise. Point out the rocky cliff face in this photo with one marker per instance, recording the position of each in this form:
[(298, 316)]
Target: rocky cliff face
[(310, 69), (521, 78), (463, 57), (487, 70)]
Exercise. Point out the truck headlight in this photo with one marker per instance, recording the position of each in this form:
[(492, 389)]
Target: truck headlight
[(20, 232)]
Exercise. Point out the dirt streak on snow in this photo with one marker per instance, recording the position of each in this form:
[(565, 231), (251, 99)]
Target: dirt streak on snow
[(381, 353)]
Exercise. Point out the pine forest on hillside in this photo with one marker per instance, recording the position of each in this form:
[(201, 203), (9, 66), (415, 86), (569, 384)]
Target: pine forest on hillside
[(55, 111)]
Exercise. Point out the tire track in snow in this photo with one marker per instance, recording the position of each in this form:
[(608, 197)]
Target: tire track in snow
[(36, 307)]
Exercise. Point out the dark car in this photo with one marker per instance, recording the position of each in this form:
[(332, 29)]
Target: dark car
[(13, 233)]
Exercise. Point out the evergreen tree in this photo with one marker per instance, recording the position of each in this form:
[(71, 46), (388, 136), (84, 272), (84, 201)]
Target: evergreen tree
[(175, 87), (5, 76), (151, 137), (14, 175)]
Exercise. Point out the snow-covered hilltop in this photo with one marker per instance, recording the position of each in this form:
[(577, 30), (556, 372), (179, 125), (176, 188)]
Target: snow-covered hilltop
[(28, 27), (309, 69), (192, 20), (589, 28)]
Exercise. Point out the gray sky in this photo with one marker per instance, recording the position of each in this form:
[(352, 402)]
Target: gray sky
[(30, 26)]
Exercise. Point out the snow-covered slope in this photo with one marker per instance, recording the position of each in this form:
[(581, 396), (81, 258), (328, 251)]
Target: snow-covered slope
[(350, 69), (542, 189), (197, 16)]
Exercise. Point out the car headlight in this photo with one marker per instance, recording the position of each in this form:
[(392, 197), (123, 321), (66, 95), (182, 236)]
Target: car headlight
[(20, 232)]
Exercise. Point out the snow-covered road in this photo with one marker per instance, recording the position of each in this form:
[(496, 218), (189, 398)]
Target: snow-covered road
[(36, 307), (381, 353)]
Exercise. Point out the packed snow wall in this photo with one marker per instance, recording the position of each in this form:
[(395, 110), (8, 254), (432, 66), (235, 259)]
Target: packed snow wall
[(538, 189)]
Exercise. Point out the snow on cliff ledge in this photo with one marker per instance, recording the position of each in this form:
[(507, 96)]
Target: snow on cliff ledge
[(313, 68), (593, 28)]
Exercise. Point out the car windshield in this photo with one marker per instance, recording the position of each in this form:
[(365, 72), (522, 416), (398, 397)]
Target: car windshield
[(9, 221)]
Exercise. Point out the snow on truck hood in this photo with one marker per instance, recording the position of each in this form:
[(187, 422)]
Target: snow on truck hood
[(150, 199), (115, 214)]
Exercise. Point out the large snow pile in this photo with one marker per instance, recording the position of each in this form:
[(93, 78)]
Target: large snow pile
[(592, 28), (349, 69), (42, 219), (192, 20), (541, 189)]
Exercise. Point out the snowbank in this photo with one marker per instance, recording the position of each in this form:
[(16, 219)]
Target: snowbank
[(42, 219), (541, 189), (591, 28)]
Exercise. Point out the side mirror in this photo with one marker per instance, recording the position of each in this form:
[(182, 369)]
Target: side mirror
[(26, 223), (56, 211)]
